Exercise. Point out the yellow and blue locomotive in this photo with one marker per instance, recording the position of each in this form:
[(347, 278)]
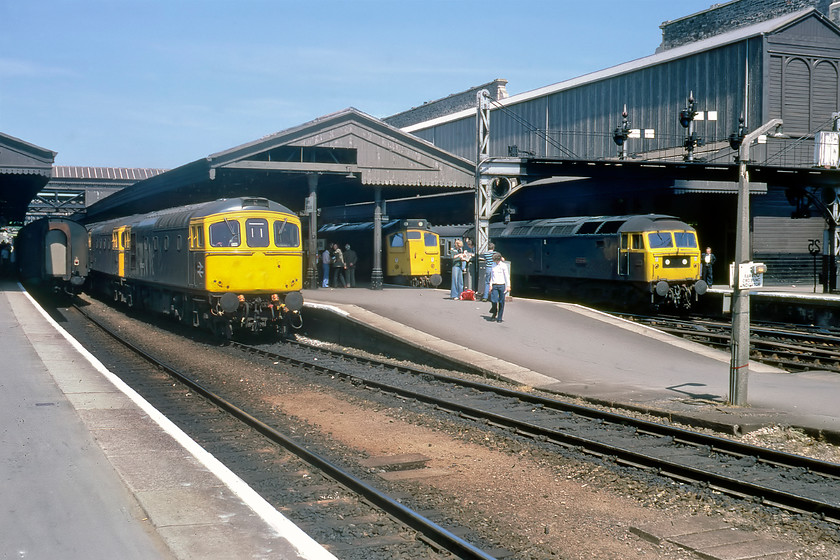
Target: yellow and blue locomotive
[(614, 259), (227, 265)]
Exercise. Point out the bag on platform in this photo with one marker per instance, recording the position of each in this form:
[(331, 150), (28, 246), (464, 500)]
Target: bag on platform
[(468, 295)]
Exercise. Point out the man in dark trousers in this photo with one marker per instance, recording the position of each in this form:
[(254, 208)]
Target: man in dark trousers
[(350, 260), (708, 260)]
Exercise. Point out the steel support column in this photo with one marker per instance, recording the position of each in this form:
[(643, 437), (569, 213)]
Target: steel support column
[(311, 208), (376, 276)]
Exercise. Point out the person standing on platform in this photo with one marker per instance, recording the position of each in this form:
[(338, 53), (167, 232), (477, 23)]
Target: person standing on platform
[(350, 260), (487, 259), (499, 287), (337, 267), (469, 251), (326, 259), (457, 255), (708, 260)]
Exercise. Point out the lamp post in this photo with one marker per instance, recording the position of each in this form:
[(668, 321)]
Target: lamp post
[(621, 133), (687, 121), (740, 349)]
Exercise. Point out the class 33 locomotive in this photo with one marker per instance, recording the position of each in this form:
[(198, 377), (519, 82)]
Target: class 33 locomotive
[(230, 264)]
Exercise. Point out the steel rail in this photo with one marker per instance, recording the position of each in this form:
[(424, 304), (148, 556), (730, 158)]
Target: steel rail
[(432, 531), (723, 483)]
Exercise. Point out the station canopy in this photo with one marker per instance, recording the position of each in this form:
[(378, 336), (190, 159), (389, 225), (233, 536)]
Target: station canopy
[(24, 170), (348, 153)]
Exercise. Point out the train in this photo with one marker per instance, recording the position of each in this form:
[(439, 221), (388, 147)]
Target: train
[(52, 255), (624, 261), (411, 250), (229, 265)]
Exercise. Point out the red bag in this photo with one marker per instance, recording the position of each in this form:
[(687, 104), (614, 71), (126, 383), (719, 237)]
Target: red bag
[(468, 295)]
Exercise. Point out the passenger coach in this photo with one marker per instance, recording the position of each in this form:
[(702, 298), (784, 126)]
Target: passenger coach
[(226, 265)]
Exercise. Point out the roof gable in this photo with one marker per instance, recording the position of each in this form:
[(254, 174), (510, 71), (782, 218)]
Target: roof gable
[(381, 154), (815, 31), (19, 157)]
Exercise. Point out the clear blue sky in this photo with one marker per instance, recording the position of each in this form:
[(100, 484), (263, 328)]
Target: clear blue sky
[(161, 83)]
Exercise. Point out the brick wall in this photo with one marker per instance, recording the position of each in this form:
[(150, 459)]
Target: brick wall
[(728, 16)]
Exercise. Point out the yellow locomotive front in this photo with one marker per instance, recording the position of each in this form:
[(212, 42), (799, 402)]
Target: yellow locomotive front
[(413, 254), (672, 265), (250, 262)]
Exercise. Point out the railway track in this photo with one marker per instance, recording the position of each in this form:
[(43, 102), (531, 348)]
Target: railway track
[(798, 484), (352, 518), (794, 348)]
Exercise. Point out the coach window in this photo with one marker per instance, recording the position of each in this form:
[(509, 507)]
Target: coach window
[(286, 234), (224, 234), (178, 243), (256, 232), (165, 242)]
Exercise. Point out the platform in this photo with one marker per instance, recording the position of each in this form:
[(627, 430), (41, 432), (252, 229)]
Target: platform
[(573, 350), (75, 469)]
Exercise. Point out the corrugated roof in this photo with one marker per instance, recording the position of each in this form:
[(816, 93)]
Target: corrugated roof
[(113, 173), (626, 67)]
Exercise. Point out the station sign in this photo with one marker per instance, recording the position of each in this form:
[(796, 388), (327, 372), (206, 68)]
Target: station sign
[(750, 275)]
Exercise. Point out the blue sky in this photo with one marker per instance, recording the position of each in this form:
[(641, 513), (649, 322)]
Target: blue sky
[(160, 83)]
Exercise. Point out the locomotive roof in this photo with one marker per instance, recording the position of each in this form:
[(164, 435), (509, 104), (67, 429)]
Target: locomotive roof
[(581, 225), (368, 226), (200, 209)]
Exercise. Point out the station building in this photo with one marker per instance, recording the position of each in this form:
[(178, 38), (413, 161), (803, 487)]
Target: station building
[(734, 66)]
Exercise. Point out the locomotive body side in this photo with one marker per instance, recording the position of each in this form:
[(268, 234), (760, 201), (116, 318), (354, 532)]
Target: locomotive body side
[(53, 253), (228, 264), (625, 259)]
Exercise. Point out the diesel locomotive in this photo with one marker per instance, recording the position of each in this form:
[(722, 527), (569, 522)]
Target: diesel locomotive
[(227, 265), (52, 254), (620, 260), (411, 251)]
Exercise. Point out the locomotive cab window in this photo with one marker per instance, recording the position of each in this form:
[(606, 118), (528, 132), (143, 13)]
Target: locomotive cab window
[(660, 240), (256, 232), (196, 237), (430, 240), (413, 235), (286, 234), (685, 239), (224, 234), (397, 240), (637, 242)]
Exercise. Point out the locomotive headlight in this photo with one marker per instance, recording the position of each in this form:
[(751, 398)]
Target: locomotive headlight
[(667, 262), (685, 262)]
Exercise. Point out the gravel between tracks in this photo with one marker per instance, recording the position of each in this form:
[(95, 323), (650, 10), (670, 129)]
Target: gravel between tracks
[(537, 503)]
